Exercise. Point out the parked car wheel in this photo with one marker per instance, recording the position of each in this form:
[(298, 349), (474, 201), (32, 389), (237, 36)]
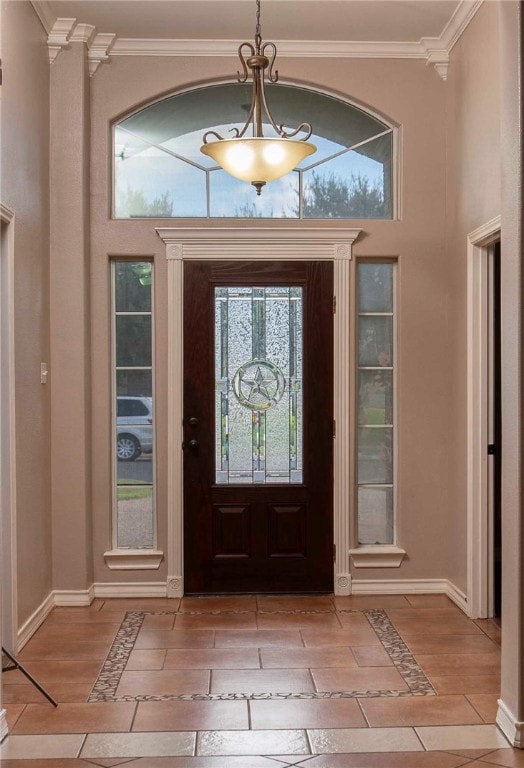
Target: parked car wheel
[(127, 448)]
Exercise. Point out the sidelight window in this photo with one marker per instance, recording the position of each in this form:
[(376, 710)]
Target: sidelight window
[(133, 411), (375, 402)]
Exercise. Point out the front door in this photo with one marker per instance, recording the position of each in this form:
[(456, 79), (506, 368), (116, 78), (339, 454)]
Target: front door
[(258, 426)]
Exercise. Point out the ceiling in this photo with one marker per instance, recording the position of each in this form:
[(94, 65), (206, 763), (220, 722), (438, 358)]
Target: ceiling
[(322, 20)]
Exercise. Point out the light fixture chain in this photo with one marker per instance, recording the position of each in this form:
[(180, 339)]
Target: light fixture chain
[(257, 159)]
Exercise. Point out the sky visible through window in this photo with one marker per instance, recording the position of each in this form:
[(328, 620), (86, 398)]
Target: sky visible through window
[(167, 176)]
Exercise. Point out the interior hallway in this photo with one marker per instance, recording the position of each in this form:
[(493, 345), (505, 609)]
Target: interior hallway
[(259, 682)]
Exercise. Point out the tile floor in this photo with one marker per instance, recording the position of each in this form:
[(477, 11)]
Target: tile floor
[(259, 682)]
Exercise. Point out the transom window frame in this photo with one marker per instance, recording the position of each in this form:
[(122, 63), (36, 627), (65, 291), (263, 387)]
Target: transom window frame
[(394, 129)]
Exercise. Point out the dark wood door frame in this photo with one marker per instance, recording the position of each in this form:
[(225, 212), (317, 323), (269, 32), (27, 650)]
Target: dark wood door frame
[(278, 538)]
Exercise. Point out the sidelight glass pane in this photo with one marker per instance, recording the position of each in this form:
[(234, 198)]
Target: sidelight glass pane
[(138, 383), (133, 340), (133, 412), (375, 341), (375, 287), (135, 516), (375, 402), (258, 384), (375, 515), (375, 455), (375, 397), (133, 286)]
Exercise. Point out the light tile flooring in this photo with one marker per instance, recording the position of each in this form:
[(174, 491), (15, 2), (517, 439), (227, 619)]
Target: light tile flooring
[(259, 682)]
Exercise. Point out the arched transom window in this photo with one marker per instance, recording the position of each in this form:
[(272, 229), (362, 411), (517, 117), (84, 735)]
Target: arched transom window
[(159, 171)]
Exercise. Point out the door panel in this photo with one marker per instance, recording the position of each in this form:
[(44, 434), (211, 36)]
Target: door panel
[(258, 426)]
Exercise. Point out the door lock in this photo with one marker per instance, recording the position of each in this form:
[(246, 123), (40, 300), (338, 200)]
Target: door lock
[(191, 444), (193, 421)]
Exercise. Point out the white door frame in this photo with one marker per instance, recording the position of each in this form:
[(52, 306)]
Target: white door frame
[(8, 598), (480, 556), (259, 244), (9, 622)]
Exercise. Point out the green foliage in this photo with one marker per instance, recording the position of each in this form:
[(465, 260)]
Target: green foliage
[(143, 272), (133, 202), (331, 197), (128, 494)]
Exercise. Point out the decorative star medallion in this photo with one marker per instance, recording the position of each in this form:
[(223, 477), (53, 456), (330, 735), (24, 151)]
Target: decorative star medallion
[(258, 385)]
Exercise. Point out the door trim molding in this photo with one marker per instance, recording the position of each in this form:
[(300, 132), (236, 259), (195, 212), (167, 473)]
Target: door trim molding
[(260, 244), (7, 216), (478, 588)]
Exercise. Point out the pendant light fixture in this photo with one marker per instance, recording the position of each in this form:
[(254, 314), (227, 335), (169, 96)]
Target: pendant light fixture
[(257, 158)]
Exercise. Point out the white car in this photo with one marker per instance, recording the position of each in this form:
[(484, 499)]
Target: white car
[(134, 422)]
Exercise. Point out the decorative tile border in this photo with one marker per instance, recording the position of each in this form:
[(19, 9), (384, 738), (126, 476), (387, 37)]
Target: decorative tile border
[(106, 685), (108, 679), (397, 650)]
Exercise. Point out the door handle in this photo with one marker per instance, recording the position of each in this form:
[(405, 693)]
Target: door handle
[(193, 444)]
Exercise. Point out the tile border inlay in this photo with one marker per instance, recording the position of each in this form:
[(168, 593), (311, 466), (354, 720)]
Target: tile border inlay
[(106, 684)]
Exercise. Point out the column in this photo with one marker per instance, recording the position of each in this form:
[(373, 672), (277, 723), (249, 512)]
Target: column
[(70, 321)]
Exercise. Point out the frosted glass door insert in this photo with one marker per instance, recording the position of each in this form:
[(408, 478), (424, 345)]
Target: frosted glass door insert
[(258, 385)]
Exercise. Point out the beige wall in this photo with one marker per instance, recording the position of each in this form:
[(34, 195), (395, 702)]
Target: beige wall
[(25, 185), (445, 130), (511, 705), (473, 197), (413, 96)]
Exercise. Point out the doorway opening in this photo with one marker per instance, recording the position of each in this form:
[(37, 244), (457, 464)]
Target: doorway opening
[(484, 421), (494, 432)]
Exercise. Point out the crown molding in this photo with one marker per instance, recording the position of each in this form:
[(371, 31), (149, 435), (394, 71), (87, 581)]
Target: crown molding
[(67, 31), (99, 50), (59, 37), (434, 50), (286, 48), (82, 33), (438, 49), (44, 13), (458, 23)]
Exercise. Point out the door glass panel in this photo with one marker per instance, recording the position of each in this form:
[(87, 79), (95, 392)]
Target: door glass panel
[(258, 385)]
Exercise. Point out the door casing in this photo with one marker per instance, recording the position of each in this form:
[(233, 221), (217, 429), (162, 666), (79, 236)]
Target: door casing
[(264, 244), (479, 523), (8, 573)]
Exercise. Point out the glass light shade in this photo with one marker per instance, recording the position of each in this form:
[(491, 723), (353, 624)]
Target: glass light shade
[(255, 159)]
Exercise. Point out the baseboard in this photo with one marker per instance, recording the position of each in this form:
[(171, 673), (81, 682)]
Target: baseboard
[(458, 597), (72, 597), (3, 725), (512, 728), (134, 589), (409, 587), (28, 629), (84, 597)]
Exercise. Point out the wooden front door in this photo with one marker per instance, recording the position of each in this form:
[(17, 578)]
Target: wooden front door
[(258, 426)]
